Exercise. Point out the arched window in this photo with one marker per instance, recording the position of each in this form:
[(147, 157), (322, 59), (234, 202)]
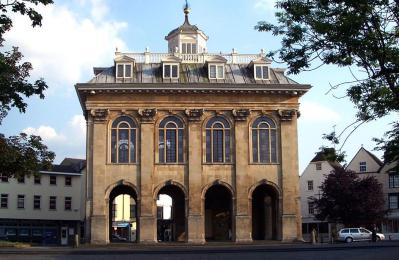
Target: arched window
[(123, 140), (170, 145), (218, 140), (264, 140)]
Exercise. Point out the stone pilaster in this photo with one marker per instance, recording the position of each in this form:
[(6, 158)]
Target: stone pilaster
[(242, 218), (100, 216), (290, 176), (196, 219), (147, 220)]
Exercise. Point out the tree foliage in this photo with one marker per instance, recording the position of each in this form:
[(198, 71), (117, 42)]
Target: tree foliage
[(348, 33), (21, 154), (348, 199)]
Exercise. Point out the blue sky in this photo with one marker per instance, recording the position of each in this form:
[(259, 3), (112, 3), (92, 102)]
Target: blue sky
[(79, 34)]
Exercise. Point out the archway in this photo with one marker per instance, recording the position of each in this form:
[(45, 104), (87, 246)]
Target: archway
[(123, 214), (218, 214), (264, 213), (171, 214)]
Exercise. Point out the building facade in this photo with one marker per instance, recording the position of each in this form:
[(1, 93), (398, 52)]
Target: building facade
[(215, 132), (44, 209), (365, 164), (309, 182)]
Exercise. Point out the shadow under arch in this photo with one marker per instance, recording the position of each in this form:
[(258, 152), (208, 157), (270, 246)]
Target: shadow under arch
[(173, 227), (120, 224), (265, 207), (219, 211)]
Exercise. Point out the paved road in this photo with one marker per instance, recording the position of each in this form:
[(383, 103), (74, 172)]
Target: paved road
[(363, 251)]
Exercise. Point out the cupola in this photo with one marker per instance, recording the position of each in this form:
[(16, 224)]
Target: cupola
[(187, 38)]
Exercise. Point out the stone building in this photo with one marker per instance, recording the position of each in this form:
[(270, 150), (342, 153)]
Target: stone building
[(215, 132)]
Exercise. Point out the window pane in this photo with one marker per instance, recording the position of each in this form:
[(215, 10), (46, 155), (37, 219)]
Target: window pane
[(189, 48), (220, 71), (255, 154), (208, 146), (227, 143), (258, 72), (274, 146), (113, 145), (264, 145), (170, 145), (180, 144), (133, 145), (194, 48), (265, 72), (123, 146), (212, 71), (119, 71), (161, 147), (174, 71), (217, 146), (184, 48), (128, 71), (166, 71)]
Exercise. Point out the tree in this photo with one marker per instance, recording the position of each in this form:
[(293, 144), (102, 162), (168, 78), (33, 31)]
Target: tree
[(19, 154), (359, 34), (348, 199)]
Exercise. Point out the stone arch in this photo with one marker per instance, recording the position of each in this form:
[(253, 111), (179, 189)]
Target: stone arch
[(112, 192), (173, 228), (219, 211), (265, 210)]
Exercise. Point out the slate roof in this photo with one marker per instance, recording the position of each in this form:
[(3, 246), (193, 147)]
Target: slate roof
[(69, 165), (322, 156), (191, 73)]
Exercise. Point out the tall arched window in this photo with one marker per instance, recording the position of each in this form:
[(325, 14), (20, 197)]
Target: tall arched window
[(170, 145), (123, 140), (218, 140), (264, 140)]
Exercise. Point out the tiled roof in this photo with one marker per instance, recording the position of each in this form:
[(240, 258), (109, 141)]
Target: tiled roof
[(69, 165)]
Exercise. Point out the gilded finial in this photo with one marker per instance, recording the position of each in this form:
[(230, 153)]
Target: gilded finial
[(186, 11)]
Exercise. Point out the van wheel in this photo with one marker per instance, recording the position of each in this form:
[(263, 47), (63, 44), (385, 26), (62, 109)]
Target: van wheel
[(349, 240)]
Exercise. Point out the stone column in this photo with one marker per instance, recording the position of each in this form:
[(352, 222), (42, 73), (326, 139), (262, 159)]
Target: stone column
[(243, 222), (196, 221), (290, 176), (88, 201), (99, 217), (147, 219)]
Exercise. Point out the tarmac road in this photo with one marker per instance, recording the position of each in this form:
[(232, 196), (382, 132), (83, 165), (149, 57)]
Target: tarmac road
[(364, 251)]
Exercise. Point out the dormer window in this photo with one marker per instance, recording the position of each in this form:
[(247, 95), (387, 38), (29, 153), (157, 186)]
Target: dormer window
[(189, 48), (261, 72), (216, 71), (124, 70), (170, 71)]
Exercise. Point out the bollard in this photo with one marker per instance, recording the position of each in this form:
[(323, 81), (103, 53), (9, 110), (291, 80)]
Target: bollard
[(76, 241)]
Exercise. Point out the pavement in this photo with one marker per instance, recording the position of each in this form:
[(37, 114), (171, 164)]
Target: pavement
[(144, 249)]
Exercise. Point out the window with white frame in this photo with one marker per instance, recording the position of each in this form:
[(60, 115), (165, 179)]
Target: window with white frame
[(189, 48), (124, 70), (362, 166), (310, 185), (171, 71), (318, 166), (393, 180), (261, 72), (393, 200), (311, 207), (21, 201), (216, 71)]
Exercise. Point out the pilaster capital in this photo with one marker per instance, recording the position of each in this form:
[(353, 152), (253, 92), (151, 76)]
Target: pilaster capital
[(194, 115), (147, 115), (99, 115), (286, 115), (241, 114)]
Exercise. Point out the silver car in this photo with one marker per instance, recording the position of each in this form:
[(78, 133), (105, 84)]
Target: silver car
[(357, 234)]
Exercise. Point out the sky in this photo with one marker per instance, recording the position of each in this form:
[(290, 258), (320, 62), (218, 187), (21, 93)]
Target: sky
[(78, 35)]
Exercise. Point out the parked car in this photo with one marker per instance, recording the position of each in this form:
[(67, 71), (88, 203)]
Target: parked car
[(349, 235)]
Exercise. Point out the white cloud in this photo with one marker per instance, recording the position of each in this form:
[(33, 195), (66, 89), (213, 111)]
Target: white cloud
[(67, 46), (267, 5), (47, 133), (315, 112), (78, 122)]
